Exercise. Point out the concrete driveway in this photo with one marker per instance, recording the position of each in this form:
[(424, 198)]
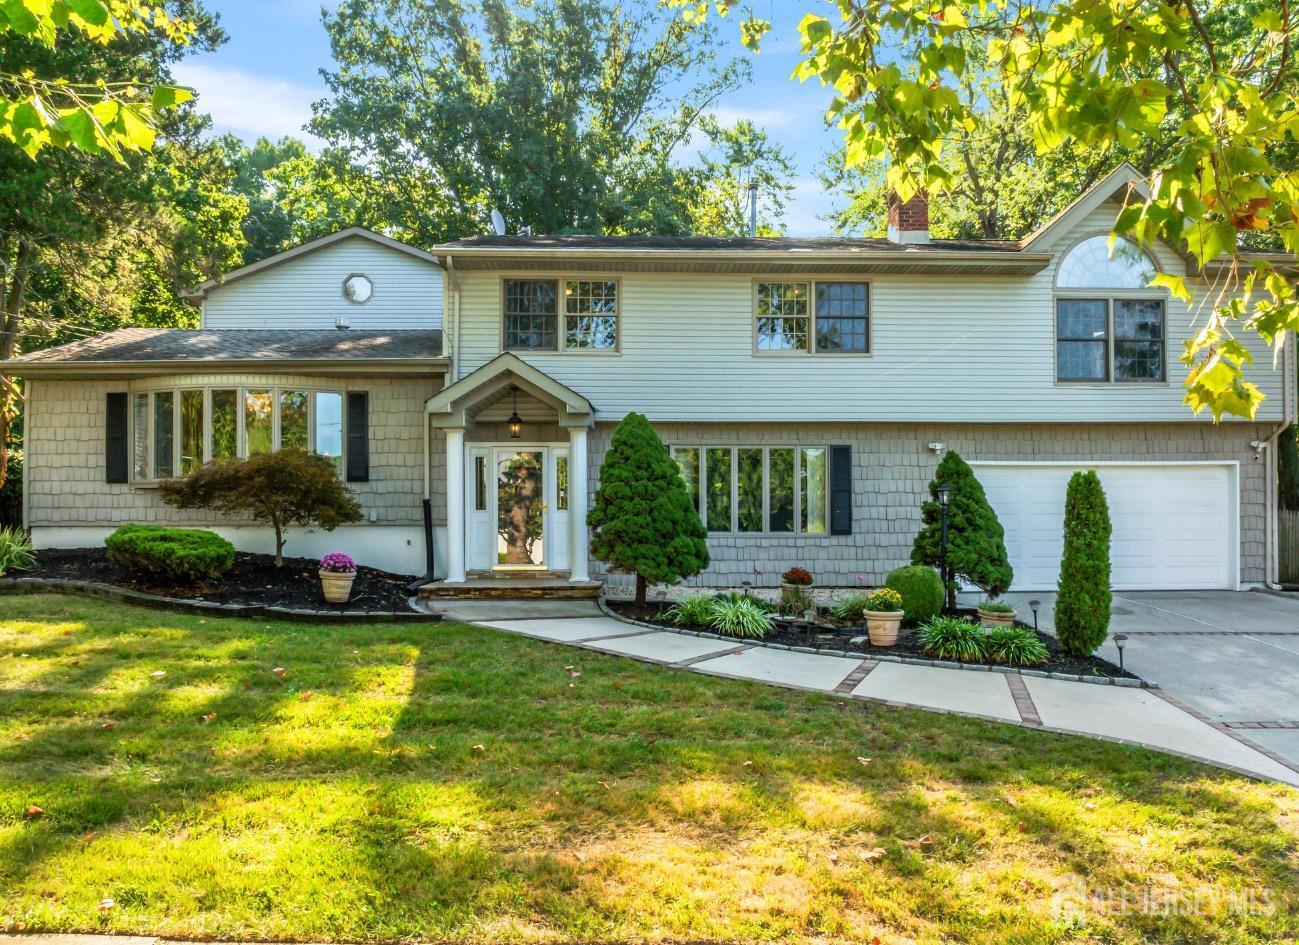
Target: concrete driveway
[(1232, 656)]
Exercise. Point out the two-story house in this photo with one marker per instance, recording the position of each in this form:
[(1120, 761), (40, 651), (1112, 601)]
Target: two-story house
[(808, 388)]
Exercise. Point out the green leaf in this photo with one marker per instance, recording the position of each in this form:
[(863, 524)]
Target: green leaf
[(1175, 284)]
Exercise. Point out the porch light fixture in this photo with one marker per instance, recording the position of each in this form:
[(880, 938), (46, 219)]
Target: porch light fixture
[(515, 421)]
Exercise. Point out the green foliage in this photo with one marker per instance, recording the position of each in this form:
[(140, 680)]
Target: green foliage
[(172, 555), (643, 519), (739, 157), (1287, 468), (11, 493), (288, 487), (738, 616), (15, 550), (1082, 602), (1206, 90), (693, 610), (952, 638), (884, 600), (1015, 646), (850, 609), (976, 543), (921, 589), (996, 607)]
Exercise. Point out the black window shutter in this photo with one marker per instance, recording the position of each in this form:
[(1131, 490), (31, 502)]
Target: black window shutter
[(116, 450), (841, 490), (358, 436)]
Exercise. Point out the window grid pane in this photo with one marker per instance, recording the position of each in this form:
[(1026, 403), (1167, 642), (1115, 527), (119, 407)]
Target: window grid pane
[(164, 418), (191, 431), (561, 483), (590, 315), (258, 413), (531, 314), (782, 316), (140, 423), (718, 472), (687, 458), (780, 476), (1082, 346), (225, 424), (329, 427), (841, 317), (751, 489), (293, 419)]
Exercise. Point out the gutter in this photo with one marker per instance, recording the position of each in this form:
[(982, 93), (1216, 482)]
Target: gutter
[(327, 366)]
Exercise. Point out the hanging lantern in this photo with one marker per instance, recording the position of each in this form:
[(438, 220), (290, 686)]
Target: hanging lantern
[(515, 421)]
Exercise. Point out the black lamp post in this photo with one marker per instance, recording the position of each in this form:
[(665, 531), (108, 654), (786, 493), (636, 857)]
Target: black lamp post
[(1035, 604), (944, 492), (1120, 641)]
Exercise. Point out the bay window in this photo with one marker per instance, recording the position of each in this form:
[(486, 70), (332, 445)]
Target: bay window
[(174, 431), (752, 490)]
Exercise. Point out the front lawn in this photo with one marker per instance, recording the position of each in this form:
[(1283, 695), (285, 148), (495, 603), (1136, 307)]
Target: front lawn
[(443, 782)]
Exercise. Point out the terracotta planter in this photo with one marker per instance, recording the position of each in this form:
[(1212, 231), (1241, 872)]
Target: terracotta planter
[(337, 585), (804, 589), (883, 625), (991, 619)]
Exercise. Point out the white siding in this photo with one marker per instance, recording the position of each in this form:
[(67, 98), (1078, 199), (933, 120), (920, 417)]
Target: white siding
[(945, 348), (306, 292)]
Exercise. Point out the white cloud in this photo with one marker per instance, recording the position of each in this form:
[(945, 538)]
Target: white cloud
[(247, 104), (771, 119)]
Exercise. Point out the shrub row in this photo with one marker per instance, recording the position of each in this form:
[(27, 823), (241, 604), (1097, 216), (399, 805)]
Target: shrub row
[(962, 641), (734, 615), (171, 555)]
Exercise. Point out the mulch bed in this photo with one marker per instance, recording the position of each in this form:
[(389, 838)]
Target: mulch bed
[(907, 645), (254, 580)]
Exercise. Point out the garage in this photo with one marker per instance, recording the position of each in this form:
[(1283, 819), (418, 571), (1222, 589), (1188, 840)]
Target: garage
[(1174, 524)]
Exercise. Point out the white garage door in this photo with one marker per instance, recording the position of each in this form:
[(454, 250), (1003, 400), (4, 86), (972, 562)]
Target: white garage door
[(1174, 526)]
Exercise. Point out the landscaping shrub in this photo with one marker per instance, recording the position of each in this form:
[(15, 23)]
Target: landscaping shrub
[(976, 543), (1015, 646), (11, 493), (693, 610), (15, 550), (643, 519), (738, 616), (1082, 602), (173, 555), (288, 487), (922, 592), (885, 600), (952, 638), (800, 577), (851, 609)]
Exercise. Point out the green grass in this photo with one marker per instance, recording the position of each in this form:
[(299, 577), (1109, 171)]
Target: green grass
[(627, 803)]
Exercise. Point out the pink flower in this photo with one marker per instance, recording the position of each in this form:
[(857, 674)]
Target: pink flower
[(337, 562)]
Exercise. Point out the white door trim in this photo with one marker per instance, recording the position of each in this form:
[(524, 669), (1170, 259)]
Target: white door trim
[(1233, 482)]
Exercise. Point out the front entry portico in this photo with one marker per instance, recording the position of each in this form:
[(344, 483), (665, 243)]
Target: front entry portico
[(516, 492)]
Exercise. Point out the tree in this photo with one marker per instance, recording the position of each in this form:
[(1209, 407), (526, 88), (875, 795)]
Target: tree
[(1207, 90), (565, 115), (1082, 602), (288, 487), (42, 108), (740, 157), (643, 518), (268, 225), (976, 543)]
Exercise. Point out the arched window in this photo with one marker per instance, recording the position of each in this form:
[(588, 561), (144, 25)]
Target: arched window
[(1109, 322)]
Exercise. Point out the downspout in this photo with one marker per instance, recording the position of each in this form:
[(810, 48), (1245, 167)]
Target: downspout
[(1289, 392), (27, 455)]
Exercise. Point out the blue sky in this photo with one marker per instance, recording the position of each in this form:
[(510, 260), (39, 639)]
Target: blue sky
[(263, 81)]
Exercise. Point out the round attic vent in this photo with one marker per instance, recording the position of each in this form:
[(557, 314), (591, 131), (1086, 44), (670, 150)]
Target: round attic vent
[(358, 288)]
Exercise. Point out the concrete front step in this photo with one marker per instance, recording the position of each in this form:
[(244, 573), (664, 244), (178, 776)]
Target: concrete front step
[(512, 587)]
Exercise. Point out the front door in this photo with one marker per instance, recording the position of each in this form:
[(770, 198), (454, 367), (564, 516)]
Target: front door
[(520, 508)]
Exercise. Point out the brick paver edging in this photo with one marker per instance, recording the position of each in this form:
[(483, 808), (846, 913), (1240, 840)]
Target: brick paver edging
[(887, 657), (22, 585)]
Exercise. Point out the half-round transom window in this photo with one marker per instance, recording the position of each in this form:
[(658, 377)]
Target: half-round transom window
[(358, 288), (1092, 265)]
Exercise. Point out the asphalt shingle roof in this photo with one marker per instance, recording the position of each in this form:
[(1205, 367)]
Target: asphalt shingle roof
[(176, 344), (768, 244)]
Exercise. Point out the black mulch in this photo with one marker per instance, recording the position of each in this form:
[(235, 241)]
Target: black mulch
[(254, 579), (907, 645)]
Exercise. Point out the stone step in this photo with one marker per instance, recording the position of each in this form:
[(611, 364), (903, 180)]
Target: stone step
[(512, 587)]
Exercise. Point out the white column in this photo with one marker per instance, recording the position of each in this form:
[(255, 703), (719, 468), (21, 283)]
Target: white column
[(577, 542), (455, 505)]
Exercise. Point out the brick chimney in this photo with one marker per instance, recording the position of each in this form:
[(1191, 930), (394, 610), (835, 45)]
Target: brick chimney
[(909, 222)]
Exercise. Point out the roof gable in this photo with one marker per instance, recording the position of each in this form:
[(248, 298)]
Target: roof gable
[(1118, 183), (288, 255)]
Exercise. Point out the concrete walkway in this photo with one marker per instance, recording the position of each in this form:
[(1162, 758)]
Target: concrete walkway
[(1134, 716)]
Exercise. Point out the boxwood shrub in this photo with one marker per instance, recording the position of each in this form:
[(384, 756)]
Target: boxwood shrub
[(172, 555), (922, 592)]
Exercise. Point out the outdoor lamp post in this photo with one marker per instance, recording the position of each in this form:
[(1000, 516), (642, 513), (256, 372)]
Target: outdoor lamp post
[(944, 500), (1120, 640), (1035, 604)]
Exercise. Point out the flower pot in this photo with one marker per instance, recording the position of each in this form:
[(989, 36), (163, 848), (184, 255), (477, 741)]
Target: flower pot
[(882, 625), (992, 619), (337, 585), (803, 589)]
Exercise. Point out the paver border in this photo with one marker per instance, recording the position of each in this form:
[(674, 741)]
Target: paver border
[(1137, 683), (27, 585)]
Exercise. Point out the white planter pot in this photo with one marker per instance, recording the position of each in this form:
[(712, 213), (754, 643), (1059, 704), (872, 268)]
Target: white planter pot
[(883, 625), (337, 585), (993, 619)]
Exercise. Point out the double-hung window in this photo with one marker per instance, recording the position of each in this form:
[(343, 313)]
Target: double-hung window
[(812, 317), (1110, 326), (560, 315), (174, 431), (757, 489)]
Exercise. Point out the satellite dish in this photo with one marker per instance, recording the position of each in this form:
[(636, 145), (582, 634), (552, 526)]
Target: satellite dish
[(498, 222)]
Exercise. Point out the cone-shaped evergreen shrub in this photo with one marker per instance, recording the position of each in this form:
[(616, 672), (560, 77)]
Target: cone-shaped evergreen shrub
[(976, 543), (1082, 602), (643, 518)]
